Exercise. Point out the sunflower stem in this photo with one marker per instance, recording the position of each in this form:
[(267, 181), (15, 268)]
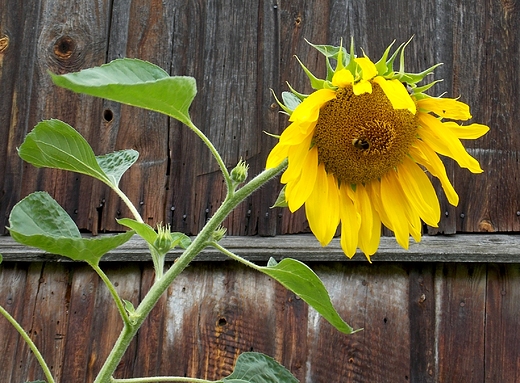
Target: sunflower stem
[(203, 239)]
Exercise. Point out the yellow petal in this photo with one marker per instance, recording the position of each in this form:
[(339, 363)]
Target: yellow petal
[(370, 229), (322, 207), (309, 109), (444, 142), (395, 205), (342, 78), (277, 155), (369, 70), (298, 191), (294, 135), (296, 156), (425, 156), (350, 222), (419, 192), (446, 107), (396, 93), (362, 87), (467, 132)]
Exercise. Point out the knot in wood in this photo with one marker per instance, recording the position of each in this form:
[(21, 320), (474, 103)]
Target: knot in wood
[(64, 47), (4, 43)]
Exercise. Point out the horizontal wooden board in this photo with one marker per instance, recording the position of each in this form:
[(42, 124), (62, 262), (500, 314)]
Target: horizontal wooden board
[(498, 248)]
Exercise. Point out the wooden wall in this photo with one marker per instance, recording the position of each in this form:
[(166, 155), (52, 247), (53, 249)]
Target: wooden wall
[(424, 322), (237, 50)]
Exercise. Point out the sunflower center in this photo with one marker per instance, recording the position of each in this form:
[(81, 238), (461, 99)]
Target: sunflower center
[(360, 138)]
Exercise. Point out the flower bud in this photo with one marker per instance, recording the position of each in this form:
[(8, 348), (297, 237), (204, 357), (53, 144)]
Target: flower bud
[(163, 242), (239, 173)]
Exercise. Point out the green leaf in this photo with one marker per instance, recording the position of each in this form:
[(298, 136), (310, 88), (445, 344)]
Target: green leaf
[(281, 201), (39, 221), (290, 100), (253, 367), (301, 280), (117, 163), (135, 82), (1, 258), (55, 144), (142, 229)]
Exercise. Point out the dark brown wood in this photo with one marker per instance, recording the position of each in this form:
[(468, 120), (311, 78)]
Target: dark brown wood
[(236, 54), (429, 322)]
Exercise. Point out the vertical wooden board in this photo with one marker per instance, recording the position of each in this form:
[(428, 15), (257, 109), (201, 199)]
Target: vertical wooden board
[(231, 57), (13, 279), (77, 358), (461, 296), (45, 320), (17, 59), (150, 338), (70, 37), (421, 308), (139, 30), (107, 322), (299, 20), (492, 39), (371, 297), (214, 313), (502, 335), (291, 331)]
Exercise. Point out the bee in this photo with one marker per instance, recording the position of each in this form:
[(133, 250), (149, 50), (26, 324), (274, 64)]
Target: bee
[(360, 143)]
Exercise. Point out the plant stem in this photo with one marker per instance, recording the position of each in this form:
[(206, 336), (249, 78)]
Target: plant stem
[(216, 154), (235, 257), (127, 202), (202, 240), (30, 343), (113, 292), (156, 379)]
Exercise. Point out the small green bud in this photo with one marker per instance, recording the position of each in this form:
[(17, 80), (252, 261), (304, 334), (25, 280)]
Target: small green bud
[(219, 233), (239, 173), (163, 242)]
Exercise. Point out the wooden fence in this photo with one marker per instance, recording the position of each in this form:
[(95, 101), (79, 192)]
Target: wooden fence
[(433, 318)]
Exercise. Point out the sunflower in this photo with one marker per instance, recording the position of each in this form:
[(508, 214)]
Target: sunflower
[(359, 147)]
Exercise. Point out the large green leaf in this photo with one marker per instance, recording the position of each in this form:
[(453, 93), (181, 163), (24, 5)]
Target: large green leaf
[(253, 367), (300, 279), (135, 82), (55, 144), (39, 221), (117, 163)]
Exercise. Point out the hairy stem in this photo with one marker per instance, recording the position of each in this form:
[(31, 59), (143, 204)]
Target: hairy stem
[(203, 239)]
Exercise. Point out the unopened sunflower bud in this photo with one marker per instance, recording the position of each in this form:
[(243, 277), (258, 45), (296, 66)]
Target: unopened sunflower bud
[(239, 173), (163, 242), (219, 233)]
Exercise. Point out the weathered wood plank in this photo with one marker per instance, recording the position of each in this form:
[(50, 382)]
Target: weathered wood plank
[(13, 282), (458, 248), (502, 336), (421, 307), (461, 307)]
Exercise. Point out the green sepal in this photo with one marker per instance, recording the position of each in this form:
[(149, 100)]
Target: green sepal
[(281, 104), (291, 100), (39, 221), (401, 57), (381, 65), (254, 367), (281, 201), (1, 258), (424, 88), (150, 235), (301, 280), (301, 96), (414, 78), (316, 83)]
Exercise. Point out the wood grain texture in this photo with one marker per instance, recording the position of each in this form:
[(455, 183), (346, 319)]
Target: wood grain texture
[(425, 322), (236, 52)]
